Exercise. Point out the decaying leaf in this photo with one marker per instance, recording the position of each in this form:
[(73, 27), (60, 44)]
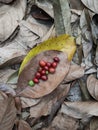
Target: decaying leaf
[(47, 103), (75, 72), (29, 102), (43, 88), (7, 112), (62, 17), (46, 6), (63, 122), (11, 54), (10, 16), (7, 89), (92, 86), (6, 1), (63, 43), (94, 123), (23, 125), (80, 109), (91, 4), (77, 4)]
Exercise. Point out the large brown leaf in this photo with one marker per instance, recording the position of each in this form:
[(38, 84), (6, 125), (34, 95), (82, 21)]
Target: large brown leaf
[(80, 109), (43, 88), (91, 4), (7, 112), (47, 104), (10, 16), (63, 122), (23, 125), (75, 72), (92, 86)]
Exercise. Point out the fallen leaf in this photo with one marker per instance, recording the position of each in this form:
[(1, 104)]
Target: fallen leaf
[(92, 5), (75, 72), (11, 54), (80, 110), (43, 88), (92, 86), (6, 1), (28, 102), (48, 102), (23, 125), (5, 73), (40, 14), (7, 89), (62, 17), (10, 16), (63, 122), (46, 6), (7, 112), (12, 79), (77, 4), (94, 123), (63, 43)]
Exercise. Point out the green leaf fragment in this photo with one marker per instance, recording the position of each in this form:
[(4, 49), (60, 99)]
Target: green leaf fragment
[(31, 83)]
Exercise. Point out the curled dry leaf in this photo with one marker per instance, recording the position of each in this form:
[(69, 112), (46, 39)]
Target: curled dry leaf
[(6, 1), (91, 4), (80, 109), (7, 89), (63, 122), (28, 102), (47, 103), (92, 86), (7, 112), (10, 16), (43, 88), (75, 72), (23, 125)]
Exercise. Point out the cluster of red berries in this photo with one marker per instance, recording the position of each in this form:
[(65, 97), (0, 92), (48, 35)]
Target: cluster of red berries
[(44, 69)]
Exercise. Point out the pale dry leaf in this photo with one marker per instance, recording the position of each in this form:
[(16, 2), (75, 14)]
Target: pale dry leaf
[(7, 89), (48, 102), (6, 1), (63, 122), (10, 16), (28, 102), (75, 72), (7, 112), (86, 34), (23, 125), (11, 54), (94, 123), (91, 4), (5, 73), (43, 88), (46, 6), (77, 4), (80, 109), (92, 86)]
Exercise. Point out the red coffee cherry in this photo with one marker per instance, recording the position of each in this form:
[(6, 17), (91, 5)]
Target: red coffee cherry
[(44, 77), (51, 70), (56, 59), (35, 80), (54, 64), (42, 63)]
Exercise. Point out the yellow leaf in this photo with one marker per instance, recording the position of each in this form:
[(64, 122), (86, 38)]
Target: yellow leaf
[(63, 43)]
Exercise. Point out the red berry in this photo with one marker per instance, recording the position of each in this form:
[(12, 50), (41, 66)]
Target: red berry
[(36, 80), (56, 59), (43, 72), (48, 64), (40, 69), (46, 67), (51, 70), (44, 77), (37, 75), (54, 64), (42, 63)]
